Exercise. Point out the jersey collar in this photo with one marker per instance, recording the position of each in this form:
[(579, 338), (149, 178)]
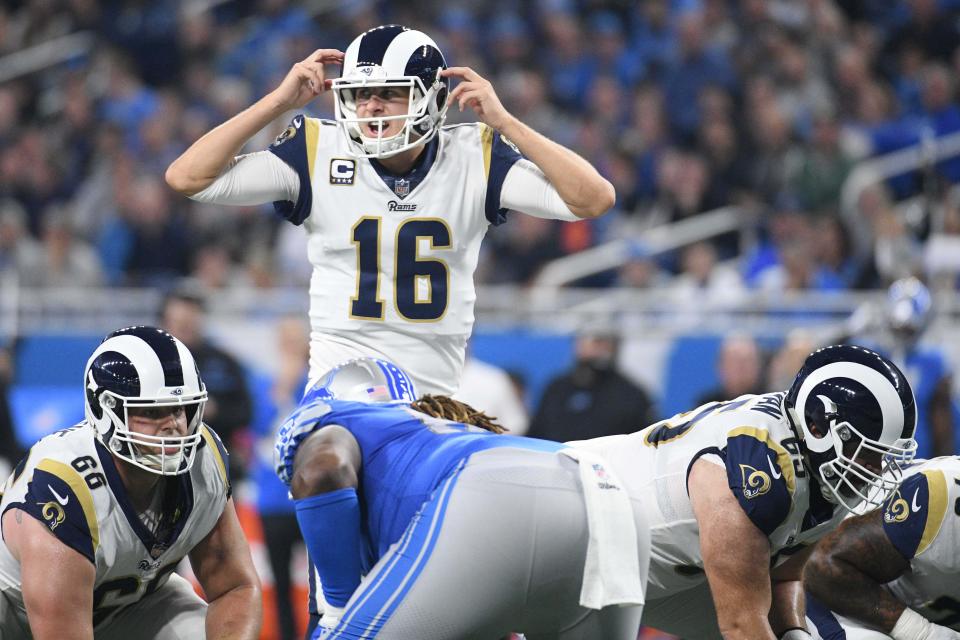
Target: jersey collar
[(403, 185), (178, 501)]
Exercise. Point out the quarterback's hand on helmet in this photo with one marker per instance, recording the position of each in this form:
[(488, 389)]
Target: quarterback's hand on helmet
[(476, 92), (306, 79), (292, 432)]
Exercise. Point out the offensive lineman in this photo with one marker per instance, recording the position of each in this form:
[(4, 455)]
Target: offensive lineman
[(735, 491), (97, 516), (894, 572), (395, 204)]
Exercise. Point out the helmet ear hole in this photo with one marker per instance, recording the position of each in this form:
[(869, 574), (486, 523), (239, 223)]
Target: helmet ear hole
[(816, 430), (93, 401)]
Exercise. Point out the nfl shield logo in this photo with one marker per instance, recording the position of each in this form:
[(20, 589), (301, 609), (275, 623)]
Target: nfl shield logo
[(401, 187)]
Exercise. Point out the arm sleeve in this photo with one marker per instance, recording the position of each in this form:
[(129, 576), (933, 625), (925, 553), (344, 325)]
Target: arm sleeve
[(527, 190), (330, 523), (254, 178), (912, 516)]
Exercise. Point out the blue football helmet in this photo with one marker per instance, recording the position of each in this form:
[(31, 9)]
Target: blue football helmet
[(909, 308), (364, 380), (143, 367), (855, 412), (360, 380), (392, 56)]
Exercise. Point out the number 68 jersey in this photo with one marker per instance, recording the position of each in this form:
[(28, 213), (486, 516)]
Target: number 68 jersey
[(752, 438), (70, 483)]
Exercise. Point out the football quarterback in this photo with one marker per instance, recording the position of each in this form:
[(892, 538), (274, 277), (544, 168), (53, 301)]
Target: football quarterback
[(395, 203)]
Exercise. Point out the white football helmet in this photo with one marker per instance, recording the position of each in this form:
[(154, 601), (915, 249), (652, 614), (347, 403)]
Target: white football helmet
[(850, 405), (141, 367), (392, 56)]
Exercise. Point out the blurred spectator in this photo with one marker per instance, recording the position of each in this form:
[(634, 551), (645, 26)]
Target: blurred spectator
[(739, 368), (157, 242), (20, 254), (521, 254), (702, 280), (835, 252), (799, 269), (896, 252), (490, 389), (928, 28), (774, 151), (692, 69), (822, 167), (228, 410), (788, 359), (65, 260), (277, 514), (593, 399)]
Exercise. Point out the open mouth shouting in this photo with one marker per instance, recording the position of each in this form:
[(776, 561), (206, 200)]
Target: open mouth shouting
[(377, 129)]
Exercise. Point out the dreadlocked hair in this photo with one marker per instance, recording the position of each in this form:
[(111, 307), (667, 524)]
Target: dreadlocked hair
[(446, 408)]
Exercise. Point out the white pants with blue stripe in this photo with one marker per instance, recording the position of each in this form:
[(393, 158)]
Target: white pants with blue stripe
[(499, 548)]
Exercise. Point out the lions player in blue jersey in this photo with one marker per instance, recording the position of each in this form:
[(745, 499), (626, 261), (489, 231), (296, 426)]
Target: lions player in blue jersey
[(423, 527), (395, 204), (97, 517)]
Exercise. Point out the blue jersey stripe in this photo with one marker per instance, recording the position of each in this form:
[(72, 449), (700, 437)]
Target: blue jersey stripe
[(433, 535), (382, 598)]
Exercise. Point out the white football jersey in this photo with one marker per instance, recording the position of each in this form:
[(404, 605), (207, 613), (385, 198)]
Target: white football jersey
[(393, 257), (69, 482), (922, 520), (753, 439)]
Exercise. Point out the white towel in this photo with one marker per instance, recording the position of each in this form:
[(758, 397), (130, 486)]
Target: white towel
[(611, 573)]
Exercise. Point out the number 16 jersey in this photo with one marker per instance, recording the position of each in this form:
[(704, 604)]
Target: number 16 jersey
[(393, 256)]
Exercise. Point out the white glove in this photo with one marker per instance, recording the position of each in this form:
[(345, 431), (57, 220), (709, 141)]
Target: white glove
[(796, 634), (330, 620), (913, 626)]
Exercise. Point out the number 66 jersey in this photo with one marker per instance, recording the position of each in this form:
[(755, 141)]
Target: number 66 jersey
[(752, 438), (70, 483)]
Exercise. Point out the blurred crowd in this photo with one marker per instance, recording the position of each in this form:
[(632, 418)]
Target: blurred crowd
[(685, 105)]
